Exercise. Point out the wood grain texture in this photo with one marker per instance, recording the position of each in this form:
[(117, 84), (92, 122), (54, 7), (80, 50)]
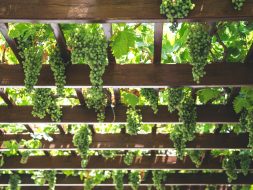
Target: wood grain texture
[(139, 75), (114, 11), (79, 114)]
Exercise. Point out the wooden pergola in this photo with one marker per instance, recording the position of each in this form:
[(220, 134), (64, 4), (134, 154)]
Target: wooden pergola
[(156, 75)]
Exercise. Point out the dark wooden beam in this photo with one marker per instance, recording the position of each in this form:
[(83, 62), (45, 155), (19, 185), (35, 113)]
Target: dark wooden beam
[(101, 163), (136, 142), (152, 75), (11, 42), (79, 114), (158, 39), (108, 34), (182, 179), (81, 11)]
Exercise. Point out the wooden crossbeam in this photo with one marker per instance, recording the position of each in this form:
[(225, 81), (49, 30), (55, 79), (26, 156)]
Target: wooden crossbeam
[(175, 179), (135, 142), (80, 11), (79, 114), (100, 163), (152, 75)]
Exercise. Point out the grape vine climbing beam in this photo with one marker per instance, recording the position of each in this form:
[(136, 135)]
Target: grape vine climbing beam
[(98, 162), (171, 179), (114, 11), (79, 114), (151, 75), (135, 142)]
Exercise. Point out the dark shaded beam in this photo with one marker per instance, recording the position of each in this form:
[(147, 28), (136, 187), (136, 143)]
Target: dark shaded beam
[(61, 42), (108, 34), (171, 179), (79, 114), (98, 162), (11, 42), (81, 11), (158, 39), (136, 142), (152, 75)]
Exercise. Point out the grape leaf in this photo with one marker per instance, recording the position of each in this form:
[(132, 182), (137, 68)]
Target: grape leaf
[(205, 95), (122, 41), (130, 99)]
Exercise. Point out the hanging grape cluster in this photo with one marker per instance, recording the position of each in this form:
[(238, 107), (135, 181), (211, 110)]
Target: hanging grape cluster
[(58, 68), (82, 140), (134, 119), (44, 102), (135, 179), (50, 177), (196, 157), (91, 48), (181, 134), (151, 95), (14, 182), (175, 96), (158, 178), (246, 122), (117, 177), (199, 45), (129, 158), (229, 165), (238, 4), (176, 9)]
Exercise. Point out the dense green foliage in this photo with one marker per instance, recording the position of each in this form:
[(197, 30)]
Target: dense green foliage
[(117, 177), (158, 178), (151, 95), (14, 182), (135, 179), (50, 177)]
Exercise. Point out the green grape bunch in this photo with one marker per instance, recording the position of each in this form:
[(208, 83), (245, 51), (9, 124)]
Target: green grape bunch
[(199, 45), (229, 165), (134, 120), (58, 68), (151, 95), (91, 48), (117, 177), (50, 177), (175, 96), (44, 102), (135, 179), (238, 4), (174, 9), (14, 182), (129, 158)]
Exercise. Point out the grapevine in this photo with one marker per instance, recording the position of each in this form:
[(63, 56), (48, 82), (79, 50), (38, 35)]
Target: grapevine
[(229, 165), (25, 156), (129, 158), (134, 120), (178, 137), (158, 178), (50, 177), (176, 9), (32, 65), (117, 177), (107, 154), (175, 96), (14, 182), (82, 140), (91, 48), (151, 96), (58, 68), (196, 157), (245, 161), (199, 45), (238, 4), (45, 103), (134, 179)]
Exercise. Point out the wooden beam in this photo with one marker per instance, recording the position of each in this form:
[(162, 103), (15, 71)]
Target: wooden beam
[(158, 40), (11, 42), (108, 34), (82, 11), (136, 142), (182, 179), (140, 75), (6, 98), (100, 163), (79, 114)]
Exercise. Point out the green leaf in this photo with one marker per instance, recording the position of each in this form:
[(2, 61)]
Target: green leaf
[(240, 103), (130, 99), (208, 94), (122, 41)]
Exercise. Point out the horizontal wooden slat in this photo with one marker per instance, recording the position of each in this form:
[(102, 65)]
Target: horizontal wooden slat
[(114, 11), (139, 75), (128, 142), (98, 162), (80, 114), (171, 179)]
